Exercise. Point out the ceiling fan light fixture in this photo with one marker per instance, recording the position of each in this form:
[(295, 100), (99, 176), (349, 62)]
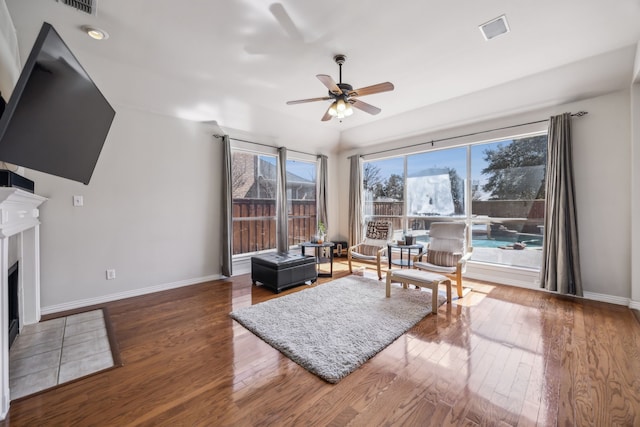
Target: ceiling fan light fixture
[(348, 110), (333, 110), (340, 105)]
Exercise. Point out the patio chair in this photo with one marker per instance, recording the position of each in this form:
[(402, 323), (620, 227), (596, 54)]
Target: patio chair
[(373, 249), (446, 252)]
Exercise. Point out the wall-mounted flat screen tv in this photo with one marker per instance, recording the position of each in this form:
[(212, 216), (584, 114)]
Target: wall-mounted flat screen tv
[(56, 120)]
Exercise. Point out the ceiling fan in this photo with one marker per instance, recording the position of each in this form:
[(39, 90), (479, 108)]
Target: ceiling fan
[(343, 96)]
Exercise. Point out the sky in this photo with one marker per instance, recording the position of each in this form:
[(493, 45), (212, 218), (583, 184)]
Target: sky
[(453, 157), (305, 170)]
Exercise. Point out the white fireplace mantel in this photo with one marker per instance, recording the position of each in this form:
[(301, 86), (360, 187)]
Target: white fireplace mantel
[(18, 216)]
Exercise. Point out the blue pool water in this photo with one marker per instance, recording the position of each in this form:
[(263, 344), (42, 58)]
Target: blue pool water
[(490, 243), (531, 240)]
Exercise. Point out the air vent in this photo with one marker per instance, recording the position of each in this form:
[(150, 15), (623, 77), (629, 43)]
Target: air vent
[(86, 6), (494, 28)]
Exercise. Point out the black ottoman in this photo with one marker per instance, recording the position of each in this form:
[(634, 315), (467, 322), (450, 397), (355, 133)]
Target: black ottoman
[(282, 271)]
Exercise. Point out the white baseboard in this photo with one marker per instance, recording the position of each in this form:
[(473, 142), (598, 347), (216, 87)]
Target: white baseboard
[(612, 299), (512, 276), (634, 304), (72, 305), (241, 266)]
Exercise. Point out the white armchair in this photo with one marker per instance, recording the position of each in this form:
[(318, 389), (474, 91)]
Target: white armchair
[(446, 252), (373, 249)]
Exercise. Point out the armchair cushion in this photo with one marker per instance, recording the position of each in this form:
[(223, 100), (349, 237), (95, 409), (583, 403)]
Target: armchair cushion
[(368, 250), (433, 267), (443, 258)]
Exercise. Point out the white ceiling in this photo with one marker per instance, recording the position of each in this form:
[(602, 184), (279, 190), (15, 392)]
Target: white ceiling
[(232, 61)]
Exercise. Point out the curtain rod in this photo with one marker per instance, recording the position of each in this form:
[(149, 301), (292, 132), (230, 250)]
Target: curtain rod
[(433, 141), (264, 145)]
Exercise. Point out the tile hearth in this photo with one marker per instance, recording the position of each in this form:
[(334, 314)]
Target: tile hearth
[(57, 351)]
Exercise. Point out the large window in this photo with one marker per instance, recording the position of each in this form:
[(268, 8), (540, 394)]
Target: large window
[(254, 202), (254, 177), (301, 200), (383, 183), (508, 201), (501, 195)]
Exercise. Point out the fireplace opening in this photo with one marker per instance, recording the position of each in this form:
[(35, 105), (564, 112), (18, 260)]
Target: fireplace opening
[(14, 320)]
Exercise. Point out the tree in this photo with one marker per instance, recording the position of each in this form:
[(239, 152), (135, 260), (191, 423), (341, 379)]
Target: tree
[(394, 187), (457, 190), (516, 170), (371, 179)]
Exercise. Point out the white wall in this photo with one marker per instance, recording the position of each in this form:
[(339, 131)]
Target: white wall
[(9, 56), (602, 151), (635, 195), (151, 212), (603, 181)]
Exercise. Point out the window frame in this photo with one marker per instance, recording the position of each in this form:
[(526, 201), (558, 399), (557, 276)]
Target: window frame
[(263, 150), (468, 141)]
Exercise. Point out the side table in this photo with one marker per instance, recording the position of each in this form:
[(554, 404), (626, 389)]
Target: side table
[(402, 262), (324, 255)]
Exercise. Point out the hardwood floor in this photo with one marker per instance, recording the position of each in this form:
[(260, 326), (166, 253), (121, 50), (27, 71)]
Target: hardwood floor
[(499, 356)]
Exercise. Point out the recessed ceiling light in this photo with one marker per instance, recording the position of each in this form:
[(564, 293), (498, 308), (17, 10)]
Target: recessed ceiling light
[(95, 33), (494, 28)]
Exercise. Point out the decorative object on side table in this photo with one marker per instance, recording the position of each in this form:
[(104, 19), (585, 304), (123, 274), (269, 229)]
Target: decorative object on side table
[(321, 235), (322, 232)]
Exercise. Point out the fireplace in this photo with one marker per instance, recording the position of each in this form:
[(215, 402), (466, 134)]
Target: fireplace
[(14, 315), (19, 215)]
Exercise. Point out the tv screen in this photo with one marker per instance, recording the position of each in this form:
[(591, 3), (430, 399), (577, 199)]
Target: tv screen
[(56, 120)]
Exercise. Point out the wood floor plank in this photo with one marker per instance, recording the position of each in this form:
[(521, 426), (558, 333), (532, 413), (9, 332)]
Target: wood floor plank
[(502, 356)]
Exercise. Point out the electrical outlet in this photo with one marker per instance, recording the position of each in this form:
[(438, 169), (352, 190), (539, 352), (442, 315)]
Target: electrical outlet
[(111, 274)]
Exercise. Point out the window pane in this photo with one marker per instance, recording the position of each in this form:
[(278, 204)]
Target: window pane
[(509, 201), (383, 182), (254, 202), (301, 200), (435, 187)]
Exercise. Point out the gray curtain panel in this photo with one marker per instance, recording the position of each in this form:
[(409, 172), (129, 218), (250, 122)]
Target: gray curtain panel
[(355, 201), (227, 206), (321, 193), (560, 270), (282, 218)]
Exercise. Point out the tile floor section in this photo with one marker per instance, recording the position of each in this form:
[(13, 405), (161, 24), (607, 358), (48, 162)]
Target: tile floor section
[(56, 351)]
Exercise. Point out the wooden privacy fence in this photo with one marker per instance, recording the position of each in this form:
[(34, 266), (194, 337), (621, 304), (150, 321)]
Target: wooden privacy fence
[(528, 215), (254, 223)]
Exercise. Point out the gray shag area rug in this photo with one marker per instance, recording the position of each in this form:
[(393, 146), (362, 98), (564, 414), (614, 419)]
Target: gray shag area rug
[(333, 328)]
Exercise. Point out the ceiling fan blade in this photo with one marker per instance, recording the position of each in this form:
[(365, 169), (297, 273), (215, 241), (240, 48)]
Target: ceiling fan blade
[(278, 11), (329, 83), (367, 108), (326, 116), (302, 101), (370, 90)]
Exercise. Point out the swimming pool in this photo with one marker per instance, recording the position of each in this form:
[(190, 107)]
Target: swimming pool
[(530, 241)]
